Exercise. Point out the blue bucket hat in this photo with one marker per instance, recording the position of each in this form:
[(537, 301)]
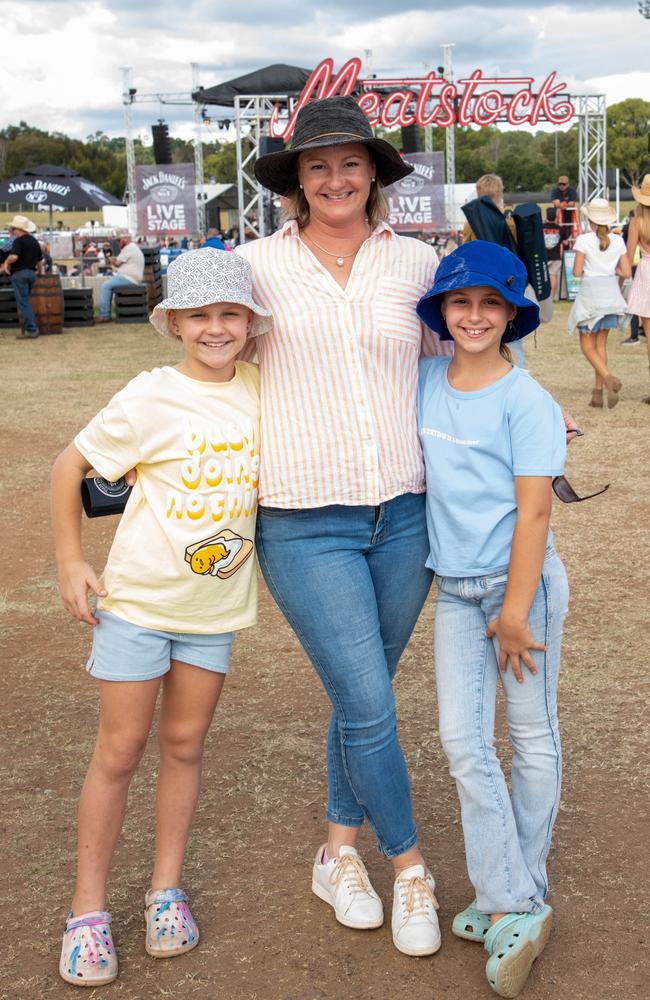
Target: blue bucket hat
[(481, 263)]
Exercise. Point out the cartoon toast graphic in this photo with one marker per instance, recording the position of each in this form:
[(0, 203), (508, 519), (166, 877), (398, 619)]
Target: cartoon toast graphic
[(220, 555)]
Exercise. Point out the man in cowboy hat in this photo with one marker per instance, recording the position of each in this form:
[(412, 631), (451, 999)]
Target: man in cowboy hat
[(22, 264)]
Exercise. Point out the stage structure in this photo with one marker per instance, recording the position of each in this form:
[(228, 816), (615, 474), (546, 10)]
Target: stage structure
[(265, 103), (130, 96), (592, 146), (266, 114), (255, 99)]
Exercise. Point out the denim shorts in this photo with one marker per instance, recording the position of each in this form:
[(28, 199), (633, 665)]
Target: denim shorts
[(123, 651), (609, 322)]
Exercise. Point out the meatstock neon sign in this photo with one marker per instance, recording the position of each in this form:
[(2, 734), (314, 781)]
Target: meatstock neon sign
[(431, 100)]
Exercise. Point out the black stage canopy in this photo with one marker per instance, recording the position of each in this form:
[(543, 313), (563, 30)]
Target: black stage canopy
[(276, 79)]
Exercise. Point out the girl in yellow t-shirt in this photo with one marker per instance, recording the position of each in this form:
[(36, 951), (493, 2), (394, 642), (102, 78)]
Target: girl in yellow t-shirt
[(179, 581)]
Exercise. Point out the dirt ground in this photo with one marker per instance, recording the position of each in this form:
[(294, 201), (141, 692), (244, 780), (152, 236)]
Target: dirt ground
[(265, 936)]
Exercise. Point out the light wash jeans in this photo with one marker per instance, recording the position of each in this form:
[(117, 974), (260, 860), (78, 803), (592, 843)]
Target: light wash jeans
[(351, 582), (106, 295), (507, 838)]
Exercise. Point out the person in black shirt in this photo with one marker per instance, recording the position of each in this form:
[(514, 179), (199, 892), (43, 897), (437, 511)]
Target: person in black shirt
[(564, 197), (22, 263)]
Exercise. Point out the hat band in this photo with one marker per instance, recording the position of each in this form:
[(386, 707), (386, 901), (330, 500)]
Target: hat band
[(327, 135)]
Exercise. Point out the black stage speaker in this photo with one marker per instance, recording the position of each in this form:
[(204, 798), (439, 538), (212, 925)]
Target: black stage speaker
[(411, 138), (162, 147), (269, 145)]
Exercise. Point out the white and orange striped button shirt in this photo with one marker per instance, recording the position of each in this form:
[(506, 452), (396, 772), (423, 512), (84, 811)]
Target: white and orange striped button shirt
[(339, 370)]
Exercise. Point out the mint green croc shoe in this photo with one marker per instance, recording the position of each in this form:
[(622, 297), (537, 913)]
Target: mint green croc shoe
[(471, 924), (513, 944)]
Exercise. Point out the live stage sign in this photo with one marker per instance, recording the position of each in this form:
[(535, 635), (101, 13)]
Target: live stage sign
[(432, 100)]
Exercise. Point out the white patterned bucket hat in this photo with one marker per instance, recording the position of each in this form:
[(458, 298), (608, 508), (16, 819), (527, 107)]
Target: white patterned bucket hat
[(201, 277)]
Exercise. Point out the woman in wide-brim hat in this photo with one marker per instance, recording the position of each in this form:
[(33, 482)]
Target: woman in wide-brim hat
[(599, 307), (342, 536), (638, 241)]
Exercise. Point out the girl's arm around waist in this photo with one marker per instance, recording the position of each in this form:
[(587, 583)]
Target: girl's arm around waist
[(632, 241), (578, 264), (534, 499), (76, 577), (623, 267)]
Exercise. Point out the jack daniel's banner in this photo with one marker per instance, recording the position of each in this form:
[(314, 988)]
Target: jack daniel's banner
[(417, 202), (166, 200)]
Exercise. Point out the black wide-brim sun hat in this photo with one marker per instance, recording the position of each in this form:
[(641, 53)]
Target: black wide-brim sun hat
[(481, 263), (332, 121)]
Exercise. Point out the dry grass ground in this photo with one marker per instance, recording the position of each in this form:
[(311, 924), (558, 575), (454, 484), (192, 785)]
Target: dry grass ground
[(264, 935)]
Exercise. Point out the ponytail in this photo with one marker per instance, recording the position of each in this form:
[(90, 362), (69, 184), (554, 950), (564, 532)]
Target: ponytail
[(602, 233)]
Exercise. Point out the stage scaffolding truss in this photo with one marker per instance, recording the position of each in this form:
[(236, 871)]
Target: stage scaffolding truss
[(253, 113), (592, 146)]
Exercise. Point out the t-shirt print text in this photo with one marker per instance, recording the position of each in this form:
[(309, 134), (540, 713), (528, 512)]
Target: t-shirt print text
[(432, 432), (220, 474)]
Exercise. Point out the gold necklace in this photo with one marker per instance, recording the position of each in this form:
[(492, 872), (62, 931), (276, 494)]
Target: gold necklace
[(340, 257)]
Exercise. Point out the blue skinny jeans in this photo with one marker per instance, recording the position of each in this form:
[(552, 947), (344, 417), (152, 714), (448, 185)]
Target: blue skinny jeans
[(351, 582)]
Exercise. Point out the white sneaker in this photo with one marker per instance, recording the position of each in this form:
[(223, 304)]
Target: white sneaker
[(415, 921), (343, 883)]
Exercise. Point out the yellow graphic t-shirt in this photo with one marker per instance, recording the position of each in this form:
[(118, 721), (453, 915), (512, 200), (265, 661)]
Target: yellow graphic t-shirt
[(182, 558)]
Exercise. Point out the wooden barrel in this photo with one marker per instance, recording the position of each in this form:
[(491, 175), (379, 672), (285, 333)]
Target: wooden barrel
[(153, 281), (47, 303)]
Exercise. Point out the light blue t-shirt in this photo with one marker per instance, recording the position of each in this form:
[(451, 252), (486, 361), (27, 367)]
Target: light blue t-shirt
[(474, 444)]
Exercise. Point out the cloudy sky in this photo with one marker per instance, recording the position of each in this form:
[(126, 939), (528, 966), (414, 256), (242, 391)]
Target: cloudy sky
[(61, 63)]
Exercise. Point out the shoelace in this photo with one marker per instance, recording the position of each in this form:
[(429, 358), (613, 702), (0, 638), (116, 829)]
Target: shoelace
[(350, 870), (415, 892)]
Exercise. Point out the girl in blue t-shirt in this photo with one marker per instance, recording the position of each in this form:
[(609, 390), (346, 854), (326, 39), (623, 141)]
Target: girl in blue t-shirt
[(493, 439)]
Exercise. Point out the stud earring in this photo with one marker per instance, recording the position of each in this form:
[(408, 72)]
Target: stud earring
[(301, 187)]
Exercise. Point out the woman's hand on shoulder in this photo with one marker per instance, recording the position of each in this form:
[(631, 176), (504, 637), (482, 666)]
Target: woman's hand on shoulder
[(515, 642), (76, 579)]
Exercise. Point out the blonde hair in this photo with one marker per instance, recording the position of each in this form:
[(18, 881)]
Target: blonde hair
[(602, 232), (491, 186), (505, 352), (296, 205), (642, 213)]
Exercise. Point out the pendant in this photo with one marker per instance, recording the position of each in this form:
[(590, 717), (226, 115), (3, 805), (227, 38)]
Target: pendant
[(340, 261)]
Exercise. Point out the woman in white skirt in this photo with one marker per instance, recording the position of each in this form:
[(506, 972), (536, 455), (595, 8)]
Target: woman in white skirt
[(601, 259), (639, 236)]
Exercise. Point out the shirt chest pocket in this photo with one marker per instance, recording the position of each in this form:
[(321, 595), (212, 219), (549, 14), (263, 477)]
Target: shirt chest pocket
[(394, 312)]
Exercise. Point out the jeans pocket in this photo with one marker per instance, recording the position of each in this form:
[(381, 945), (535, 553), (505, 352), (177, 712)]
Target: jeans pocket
[(277, 511)]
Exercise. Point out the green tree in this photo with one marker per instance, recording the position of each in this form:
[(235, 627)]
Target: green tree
[(221, 163), (628, 128)]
